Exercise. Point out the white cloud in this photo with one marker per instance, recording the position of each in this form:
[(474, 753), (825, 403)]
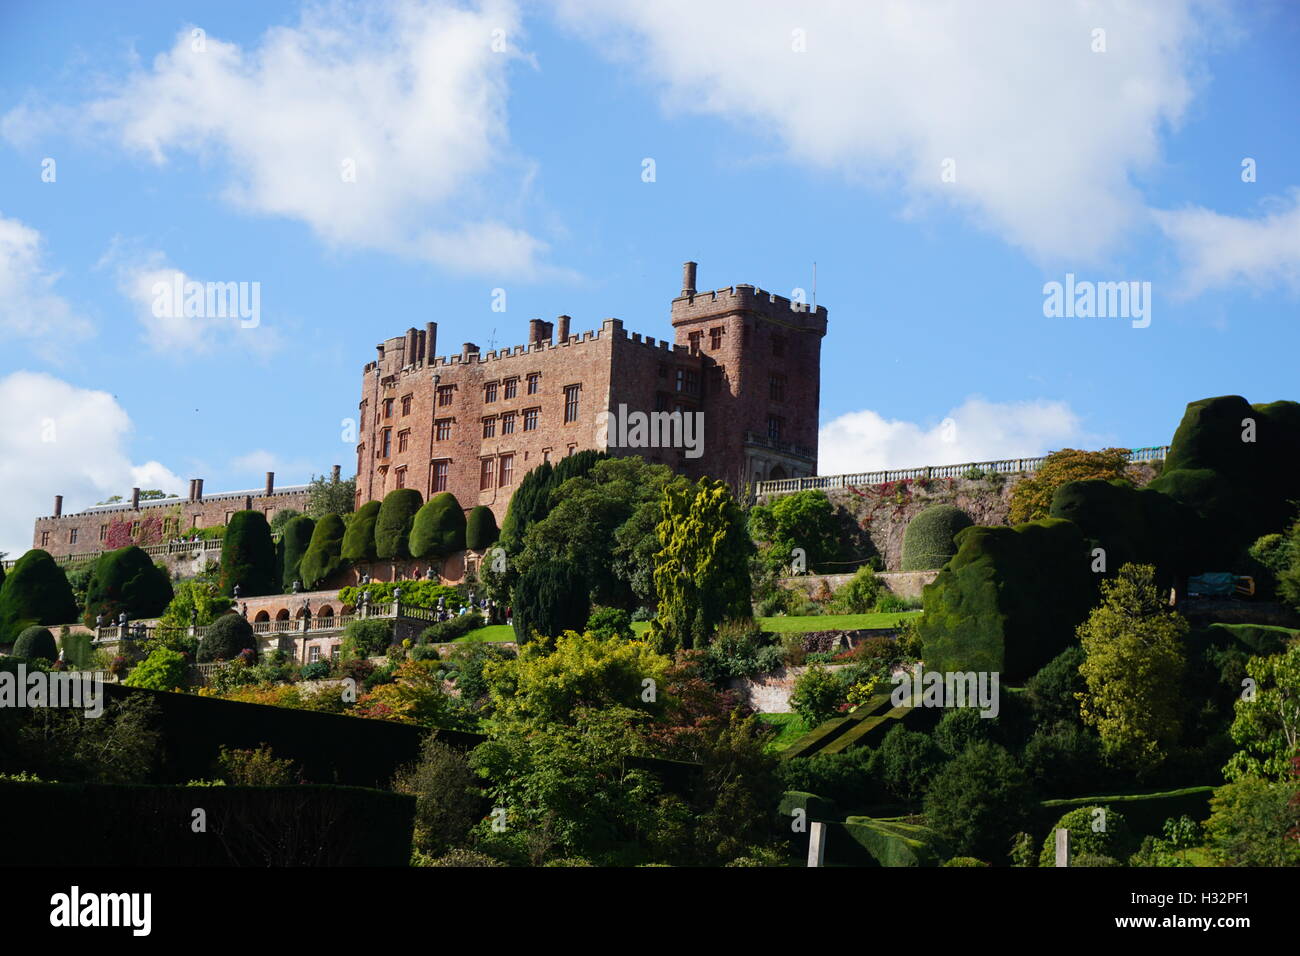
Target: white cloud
[(1218, 250), (30, 309), (411, 95), (977, 430), (1045, 133), (288, 471), (56, 438)]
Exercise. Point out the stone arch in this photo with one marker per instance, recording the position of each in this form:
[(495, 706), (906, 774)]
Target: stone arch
[(282, 614), (325, 611), (262, 616), (777, 473)]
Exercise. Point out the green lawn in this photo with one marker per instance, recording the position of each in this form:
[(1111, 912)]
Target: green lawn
[(789, 728), (778, 625)]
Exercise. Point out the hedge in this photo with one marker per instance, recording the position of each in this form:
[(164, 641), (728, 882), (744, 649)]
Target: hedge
[(817, 738), (144, 825), (886, 843), (393, 525), (438, 528), (294, 541), (481, 529), (447, 631), (928, 541), (35, 591), (323, 556), (359, 539), (1116, 840), (1146, 813), (815, 807), (549, 598), (36, 642), (126, 580), (226, 638), (248, 556)]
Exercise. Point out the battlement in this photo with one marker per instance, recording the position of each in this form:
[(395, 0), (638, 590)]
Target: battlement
[(696, 306)]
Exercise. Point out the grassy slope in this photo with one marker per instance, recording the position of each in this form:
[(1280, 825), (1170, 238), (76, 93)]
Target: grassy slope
[(778, 625)]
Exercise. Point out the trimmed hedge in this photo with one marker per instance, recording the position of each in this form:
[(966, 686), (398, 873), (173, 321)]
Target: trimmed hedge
[(1146, 813), (294, 541), (359, 539), (481, 529), (447, 631), (816, 808), (438, 528), (36, 642), (248, 556), (126, 580), (393, 525), (891, 843), (229, 635), (143, 825), (550, 597), (323, 556), (928, 541), (36, 591), (1116, 841)]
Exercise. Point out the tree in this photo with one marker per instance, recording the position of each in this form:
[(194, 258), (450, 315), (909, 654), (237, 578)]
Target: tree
[(1054, 691), (805, 519), (248, 556), (907, 761), (359, 538), (447, 798), (36, 642), (330, 497), (393, 526), (126, 580), (438, 529), (979, 800), (323, 556), (481, 529), (1031, 497), (163, 669), (1133, 669), (226, 639), (1266, 726), (35, 591), (532, 499), (294, 541), (1255, 822), (928, 540), (549, 598), (818, 694), (282, 518), (198, 594), (702, 568)]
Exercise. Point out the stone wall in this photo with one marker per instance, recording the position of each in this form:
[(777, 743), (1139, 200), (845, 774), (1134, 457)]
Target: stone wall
[(904, 584)]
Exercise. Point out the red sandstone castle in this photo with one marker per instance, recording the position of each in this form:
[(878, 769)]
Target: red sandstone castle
[(735, 395)]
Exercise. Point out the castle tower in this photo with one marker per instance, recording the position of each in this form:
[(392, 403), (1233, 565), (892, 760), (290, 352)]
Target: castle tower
[(761, 388)]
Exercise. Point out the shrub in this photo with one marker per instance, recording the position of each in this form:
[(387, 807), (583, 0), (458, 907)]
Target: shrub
[(1095, 831), (393, 525), (36, 643), (818, 694), (927, 543), (979, 800), (859, 594), (610, 621), (126, 580), (368, 637), (226, 638), (481, 529), (906, 762), (359, 538), (1253, 822), (444, 632), (35, 591), (447, 798), (315, 670), (324, 555), (256, 768), (248, 556), (294, 542), (1052, 691), (163, 669), (438, 528), (549, 598), (1031, 498), (965, 861)]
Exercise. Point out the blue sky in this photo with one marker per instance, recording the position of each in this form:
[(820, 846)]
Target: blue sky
[(503, 146)]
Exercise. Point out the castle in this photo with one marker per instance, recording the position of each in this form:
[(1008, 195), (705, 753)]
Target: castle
[(744, 365), (737, 392)]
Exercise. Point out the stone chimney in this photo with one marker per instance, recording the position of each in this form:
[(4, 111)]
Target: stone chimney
[(198, 489), (411, 336), (334, 472), (191, 494), (248, 502), (270, 483), (688, 278), (430, 342), (536, 331), (135, 499), (58, 506), (467, 350), (562, 335)]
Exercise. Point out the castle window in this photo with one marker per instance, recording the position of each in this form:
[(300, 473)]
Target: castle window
[(388, 443), (406, 404), (490, 392), (313, 654), (571, 393), (507, 470), (776, 387), (508, 423), (661, 401), (194, 522), (778, 344), (489, 427), (687, 382), (694, 341), (573, 450), (45, 538), (403, 439), (103, 531), (388, 408), (444, 394), (401, 478), (530, 419), (135, 527), (774, 427), (534, 381), (512, 387), (442, 430), (440, 475), (715, 337), (362, 415), (72, 536), (485, 475)]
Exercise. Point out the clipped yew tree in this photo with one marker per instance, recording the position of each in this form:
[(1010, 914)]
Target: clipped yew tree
[(359, 539), (126, 580), (439, 528), (35, 591), (248, 556), (294, 541), (226, 639), (393, 525), (549, 599), (324, 554), (1009, 600), (481, 529), (36, 642), (928, 541)]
